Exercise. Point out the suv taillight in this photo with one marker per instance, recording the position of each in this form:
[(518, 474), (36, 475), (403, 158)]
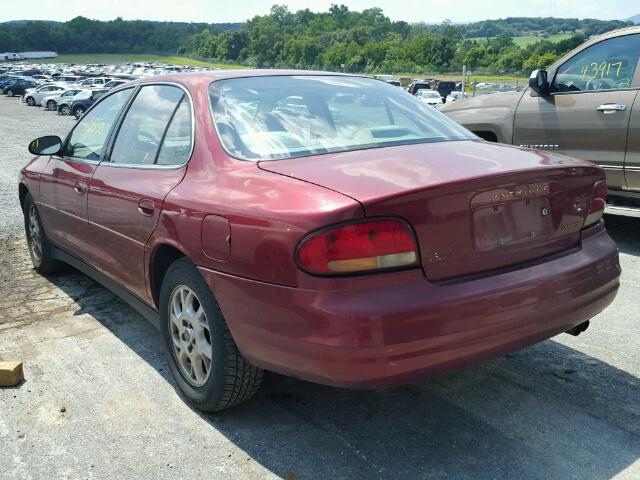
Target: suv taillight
[(598, 203), (357, 247)]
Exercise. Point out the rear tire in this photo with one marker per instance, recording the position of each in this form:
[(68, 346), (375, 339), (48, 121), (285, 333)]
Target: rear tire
[(205, 362), (30, 101), (9, 93), (51, 105), (63, 109), (40, 248)]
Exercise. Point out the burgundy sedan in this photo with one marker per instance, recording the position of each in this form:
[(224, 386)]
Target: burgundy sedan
[(327, 227)]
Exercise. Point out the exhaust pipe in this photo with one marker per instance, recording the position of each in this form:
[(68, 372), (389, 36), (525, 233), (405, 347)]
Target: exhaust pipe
[(578, 329)]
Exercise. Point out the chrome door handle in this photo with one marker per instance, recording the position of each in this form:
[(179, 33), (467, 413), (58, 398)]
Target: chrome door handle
[(145, 207), (611, 107), (80, 188)]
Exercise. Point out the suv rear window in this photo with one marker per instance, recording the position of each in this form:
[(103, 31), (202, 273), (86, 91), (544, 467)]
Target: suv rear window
[(279, 117)]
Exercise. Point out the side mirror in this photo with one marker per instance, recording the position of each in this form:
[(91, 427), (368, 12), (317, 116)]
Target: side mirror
[(49, 145), (539, 83)]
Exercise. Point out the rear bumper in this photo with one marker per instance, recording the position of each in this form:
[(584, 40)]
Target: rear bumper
[(376, 336)]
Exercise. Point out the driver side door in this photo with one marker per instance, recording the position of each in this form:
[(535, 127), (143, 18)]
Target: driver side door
[(587, 114), (66, 177)]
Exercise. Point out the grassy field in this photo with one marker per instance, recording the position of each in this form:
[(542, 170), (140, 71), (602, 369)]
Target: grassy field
[(115, 58), (527, 40)]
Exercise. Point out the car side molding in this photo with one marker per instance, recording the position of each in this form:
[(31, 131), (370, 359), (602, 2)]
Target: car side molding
[(140, 306)]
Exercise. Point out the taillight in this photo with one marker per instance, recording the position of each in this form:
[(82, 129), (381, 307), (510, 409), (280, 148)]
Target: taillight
[(598, 203), (359, 247)]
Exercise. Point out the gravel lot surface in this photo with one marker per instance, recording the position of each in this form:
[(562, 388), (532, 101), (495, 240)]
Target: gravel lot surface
[(98, 400)]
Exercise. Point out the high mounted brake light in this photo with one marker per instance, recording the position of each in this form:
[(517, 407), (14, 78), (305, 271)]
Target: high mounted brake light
[(359, 247)]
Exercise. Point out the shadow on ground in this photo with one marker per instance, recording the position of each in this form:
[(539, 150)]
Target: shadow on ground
[(548, 412), (625, 231)]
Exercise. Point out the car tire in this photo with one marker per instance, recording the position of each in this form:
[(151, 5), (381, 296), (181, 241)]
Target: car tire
[(78, 112), (63, 109), (40, 247), (51, 105), (193, 327), (9, 93), (30, 101)]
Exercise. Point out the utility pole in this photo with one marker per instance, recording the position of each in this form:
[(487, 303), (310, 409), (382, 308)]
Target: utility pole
[(464, 78)]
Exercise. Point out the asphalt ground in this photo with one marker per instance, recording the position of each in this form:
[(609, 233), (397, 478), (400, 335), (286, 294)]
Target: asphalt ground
[(99, 403)]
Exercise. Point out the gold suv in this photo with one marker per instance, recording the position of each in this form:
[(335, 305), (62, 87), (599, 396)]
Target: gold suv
[(586, 105)]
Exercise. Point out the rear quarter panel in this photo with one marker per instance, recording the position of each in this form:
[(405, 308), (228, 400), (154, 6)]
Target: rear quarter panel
[(268, 213)]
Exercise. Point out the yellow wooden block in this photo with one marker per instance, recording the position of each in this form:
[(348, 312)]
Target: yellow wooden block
[(11, 373)]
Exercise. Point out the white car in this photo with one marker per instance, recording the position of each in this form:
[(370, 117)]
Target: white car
[(455, 96), (114, 83), (51, 102), (92, 82), (430, 97), (34, 96)]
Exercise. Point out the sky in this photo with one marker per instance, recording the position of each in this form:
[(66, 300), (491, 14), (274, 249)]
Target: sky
[(217, 11)]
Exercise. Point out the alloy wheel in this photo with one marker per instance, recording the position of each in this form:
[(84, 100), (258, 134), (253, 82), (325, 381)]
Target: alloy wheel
[(51, 104), (79, 112), (9, 93), (35, 235), (64, 110), (190, 336), (30, 101)]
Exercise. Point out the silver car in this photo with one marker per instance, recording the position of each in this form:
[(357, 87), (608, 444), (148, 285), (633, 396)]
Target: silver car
[(34, 96), (51, 102)]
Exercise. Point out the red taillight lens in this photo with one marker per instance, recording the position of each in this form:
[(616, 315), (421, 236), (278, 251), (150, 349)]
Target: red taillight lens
[(598, 202), (359, 247)]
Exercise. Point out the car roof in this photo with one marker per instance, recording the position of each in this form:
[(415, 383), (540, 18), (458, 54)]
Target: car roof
[(616, 33), (206, 77)]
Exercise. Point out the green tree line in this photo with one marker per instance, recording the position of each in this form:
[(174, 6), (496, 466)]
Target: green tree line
[(338, 39), (369, 41)]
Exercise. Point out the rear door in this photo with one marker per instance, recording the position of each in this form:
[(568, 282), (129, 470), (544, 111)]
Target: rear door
[(147, 160), (587, 116)]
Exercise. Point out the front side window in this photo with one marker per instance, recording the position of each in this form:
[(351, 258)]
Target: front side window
[(608, 65), (144, 126), (88, 139), (278, 117)]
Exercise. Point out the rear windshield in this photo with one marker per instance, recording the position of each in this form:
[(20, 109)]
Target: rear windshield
[(279, 117)]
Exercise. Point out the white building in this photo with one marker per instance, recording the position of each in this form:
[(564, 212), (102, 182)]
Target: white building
[(9, 56)]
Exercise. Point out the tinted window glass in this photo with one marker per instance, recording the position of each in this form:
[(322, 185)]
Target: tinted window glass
[(90, 135), (176, 145), (142, 130), (261, 118), (608, 65)]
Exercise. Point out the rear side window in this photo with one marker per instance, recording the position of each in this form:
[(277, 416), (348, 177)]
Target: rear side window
[(143, 130), (608, 65), (88, 139)]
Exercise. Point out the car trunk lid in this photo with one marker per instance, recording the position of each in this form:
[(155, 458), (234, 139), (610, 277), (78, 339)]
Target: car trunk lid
[(475, 206)]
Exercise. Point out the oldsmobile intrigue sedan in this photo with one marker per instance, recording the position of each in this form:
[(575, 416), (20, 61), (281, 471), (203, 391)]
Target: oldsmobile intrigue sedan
[(327, 227)]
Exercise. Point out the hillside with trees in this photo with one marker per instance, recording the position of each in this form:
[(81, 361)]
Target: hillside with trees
[(339, 39)]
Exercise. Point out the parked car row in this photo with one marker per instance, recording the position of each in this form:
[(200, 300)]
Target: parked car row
[(65, 99), (72, 89), (443, 87)]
